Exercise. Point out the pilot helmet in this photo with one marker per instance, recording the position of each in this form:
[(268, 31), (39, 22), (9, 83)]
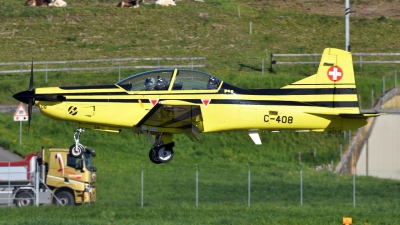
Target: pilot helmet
[(161, 84), (149, 82), (213, 83)]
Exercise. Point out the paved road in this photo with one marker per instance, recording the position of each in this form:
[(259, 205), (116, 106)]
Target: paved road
[(7, 156)]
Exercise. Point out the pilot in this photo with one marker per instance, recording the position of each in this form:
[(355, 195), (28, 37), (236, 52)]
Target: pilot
[(162, 84), (149, 83), (213, 83)]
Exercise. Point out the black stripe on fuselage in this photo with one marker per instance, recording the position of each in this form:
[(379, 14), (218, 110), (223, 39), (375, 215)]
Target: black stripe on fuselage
[(106, 86), (307, 91), (239, 102)]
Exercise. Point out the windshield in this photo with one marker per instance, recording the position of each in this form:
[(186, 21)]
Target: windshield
[(89, 162), (161, 80), (151, 80)]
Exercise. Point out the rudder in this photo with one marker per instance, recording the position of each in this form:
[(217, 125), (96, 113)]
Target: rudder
[(334, 83)]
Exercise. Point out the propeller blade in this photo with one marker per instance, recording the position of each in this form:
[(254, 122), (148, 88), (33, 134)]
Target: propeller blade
[(31, 80), (30, 113)]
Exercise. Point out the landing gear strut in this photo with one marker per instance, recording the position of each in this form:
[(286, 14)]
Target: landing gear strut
[(161, 153), (77, 149)]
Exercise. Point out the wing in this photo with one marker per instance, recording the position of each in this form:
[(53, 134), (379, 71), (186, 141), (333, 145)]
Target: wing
[(173, 117)]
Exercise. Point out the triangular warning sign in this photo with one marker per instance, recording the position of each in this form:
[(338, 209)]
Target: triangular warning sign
[(21, 114), (206, 102), (153, 101)]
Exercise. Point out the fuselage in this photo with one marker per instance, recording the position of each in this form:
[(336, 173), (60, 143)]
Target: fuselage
[(223, 108)]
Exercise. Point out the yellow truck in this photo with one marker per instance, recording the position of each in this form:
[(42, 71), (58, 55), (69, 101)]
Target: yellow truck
[(62, 180)]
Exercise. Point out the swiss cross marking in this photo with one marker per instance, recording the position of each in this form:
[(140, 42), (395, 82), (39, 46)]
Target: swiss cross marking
[(335, 73)]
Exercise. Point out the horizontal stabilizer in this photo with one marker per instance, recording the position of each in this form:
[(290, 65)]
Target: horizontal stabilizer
[(359, 116)]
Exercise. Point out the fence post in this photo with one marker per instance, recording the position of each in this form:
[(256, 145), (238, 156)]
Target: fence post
[(349, 137), (360, 61), (315, 61), (37, 186), (197, 186), (262, 67), (383, 85), (46, 73), (248, 193), (395, 78), (301, 181), (372, 99), (251, 27), (119, 71), (354, 183), (341, 149), (366, 156), (9, 184), (141, 186)]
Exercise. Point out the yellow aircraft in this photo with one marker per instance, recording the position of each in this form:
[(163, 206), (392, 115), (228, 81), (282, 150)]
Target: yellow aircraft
[(164, 102)]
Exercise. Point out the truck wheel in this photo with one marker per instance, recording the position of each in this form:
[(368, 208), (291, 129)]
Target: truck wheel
[(65, 198), (76, 152), (24, 198)]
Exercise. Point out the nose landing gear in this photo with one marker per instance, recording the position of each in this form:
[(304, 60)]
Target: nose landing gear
[(77, 149), (160, 153)]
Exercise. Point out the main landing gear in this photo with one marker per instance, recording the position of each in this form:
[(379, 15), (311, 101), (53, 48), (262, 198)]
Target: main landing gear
[(77, 149), (160, 153)]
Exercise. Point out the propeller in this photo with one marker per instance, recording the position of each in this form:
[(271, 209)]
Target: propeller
[(28, 97)]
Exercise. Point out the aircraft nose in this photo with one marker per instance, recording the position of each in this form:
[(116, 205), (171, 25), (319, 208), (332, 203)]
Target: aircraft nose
[(24, 96)]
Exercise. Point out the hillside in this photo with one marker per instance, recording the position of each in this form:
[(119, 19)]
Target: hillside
[(97, 29)]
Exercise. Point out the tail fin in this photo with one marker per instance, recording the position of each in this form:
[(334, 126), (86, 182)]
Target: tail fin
[(334, 84)]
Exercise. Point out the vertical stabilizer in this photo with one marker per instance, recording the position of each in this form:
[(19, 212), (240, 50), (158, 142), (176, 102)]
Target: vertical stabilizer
[(334, 84)]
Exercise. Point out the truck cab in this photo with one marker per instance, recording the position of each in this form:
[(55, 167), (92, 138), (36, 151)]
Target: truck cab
[(73, 180)]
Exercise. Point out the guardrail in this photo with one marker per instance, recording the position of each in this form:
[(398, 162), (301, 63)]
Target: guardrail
[(154, 63), (317, 57)]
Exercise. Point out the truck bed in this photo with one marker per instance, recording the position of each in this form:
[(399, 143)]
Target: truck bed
[(19, 171)]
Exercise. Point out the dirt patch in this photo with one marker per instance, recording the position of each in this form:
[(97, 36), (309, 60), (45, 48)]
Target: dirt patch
[(362, 8)]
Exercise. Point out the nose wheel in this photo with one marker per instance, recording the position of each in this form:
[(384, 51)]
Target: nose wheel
[(77, 149)]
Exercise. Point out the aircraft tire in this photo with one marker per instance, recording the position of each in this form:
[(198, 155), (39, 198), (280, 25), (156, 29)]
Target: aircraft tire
[(76, 152), (24, 198), (153, 155), (165, 154)]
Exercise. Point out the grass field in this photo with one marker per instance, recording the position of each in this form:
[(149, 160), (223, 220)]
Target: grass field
[(90, 29), (223, 162)]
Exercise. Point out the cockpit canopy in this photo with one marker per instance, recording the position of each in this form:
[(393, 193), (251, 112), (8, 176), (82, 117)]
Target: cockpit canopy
[(164, 80)]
